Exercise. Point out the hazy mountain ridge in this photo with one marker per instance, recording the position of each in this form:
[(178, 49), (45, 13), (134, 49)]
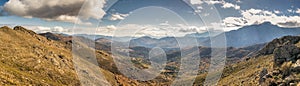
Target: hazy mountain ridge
[(257, 34), (243, 37)]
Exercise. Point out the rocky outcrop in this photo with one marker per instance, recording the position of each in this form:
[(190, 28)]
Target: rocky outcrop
[(286, 65), (22, 29), (286, 53), (283, 50), (270, 47)]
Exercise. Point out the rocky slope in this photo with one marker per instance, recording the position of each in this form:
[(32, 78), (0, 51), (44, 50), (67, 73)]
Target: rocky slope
[(27, 58), (276, 64)]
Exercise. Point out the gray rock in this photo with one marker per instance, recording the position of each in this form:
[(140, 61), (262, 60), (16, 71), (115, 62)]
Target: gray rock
[(285, 53), (262, 74), (270, 47)]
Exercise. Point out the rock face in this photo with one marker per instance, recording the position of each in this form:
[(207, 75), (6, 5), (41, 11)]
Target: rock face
[(286, 67), (270, 47), (283, 50), (286, 53)]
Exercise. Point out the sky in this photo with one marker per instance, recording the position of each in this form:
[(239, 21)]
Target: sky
[(146, 17)]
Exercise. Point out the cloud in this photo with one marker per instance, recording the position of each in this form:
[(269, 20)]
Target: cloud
[(230, 5), (111, 27), (298, 10), (277, 11), (214, 2), (118, 16), (191, 29), (149, 30), (224, 4), (56, 10), (166, 23), (257, 16), (43, 29), (58, 29), (206, 14), (290, 10), (196, 1)]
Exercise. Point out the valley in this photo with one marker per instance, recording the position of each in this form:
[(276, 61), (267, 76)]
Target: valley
[(46, 59)]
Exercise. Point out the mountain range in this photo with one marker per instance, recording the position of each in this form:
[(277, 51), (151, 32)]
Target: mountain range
[(28, 58), (243, 37)]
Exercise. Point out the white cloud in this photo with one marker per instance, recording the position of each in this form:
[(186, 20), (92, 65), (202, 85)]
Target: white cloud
[(196, 1), (118, 16), (58, 29), (224, 4), (290, 10), (166, 23), (206, 14), (238, 1), (214, 2), (56, 10), (257, 16), (277, 11), (111, 27), (43, 29), (149, 30), (72, 19), (298, 10), (230, 5), (199, 8)]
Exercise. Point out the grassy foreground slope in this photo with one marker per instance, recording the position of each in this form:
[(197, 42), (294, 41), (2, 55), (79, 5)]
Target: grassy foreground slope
[(27, 58), (30, 59)]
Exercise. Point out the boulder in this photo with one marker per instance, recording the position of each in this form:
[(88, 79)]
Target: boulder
[(296, 66), (262, 74)]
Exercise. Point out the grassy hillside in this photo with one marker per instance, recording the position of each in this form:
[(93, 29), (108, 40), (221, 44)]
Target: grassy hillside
[(27, 58), (246, 73)]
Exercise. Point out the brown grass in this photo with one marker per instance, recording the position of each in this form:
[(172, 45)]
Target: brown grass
[(286, 68), (246, 73)]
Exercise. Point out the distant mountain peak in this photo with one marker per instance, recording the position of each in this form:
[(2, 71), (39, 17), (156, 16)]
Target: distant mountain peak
[(257, 34)]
